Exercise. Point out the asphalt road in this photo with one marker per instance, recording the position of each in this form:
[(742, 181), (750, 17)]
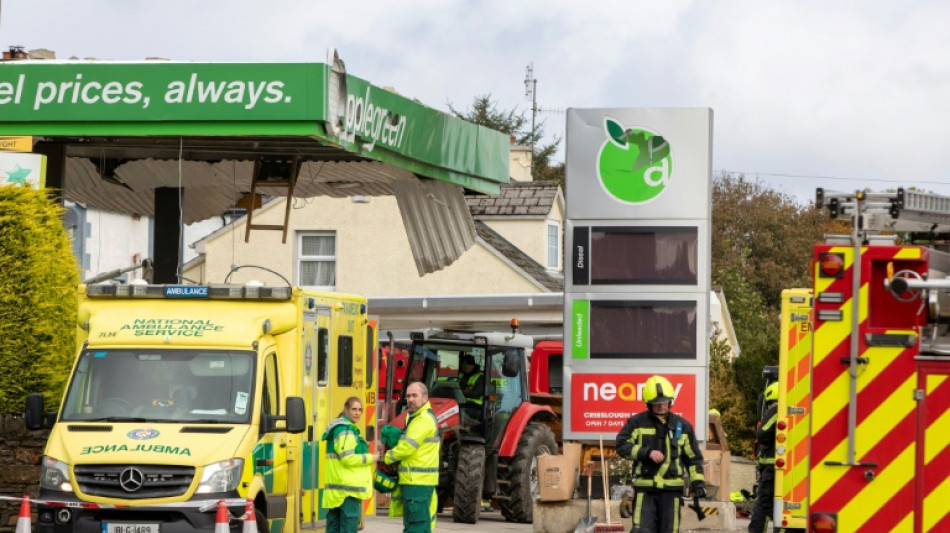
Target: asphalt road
[(489, 522)]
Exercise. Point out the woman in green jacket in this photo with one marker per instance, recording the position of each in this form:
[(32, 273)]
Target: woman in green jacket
[(349, 474)]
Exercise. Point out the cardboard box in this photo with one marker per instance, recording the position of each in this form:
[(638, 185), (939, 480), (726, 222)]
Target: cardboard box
[(716, 465), (556, 476), (572, 450)]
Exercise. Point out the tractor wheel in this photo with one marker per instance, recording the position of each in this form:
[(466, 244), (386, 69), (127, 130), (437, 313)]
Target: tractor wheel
[(523, 487), (469, 479)]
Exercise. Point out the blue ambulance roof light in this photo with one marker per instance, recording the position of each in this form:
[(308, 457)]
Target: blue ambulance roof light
[(203, 292)]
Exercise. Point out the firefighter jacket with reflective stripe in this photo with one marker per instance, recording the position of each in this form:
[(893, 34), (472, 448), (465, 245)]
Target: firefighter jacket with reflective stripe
[(418, 449), (349, 465), (765, 436), (645, 432)]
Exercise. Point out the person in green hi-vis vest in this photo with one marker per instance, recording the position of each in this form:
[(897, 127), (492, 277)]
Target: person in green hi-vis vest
[(349, 475), (418, 455)]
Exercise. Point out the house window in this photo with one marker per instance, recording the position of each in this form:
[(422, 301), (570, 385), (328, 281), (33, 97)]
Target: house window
[(317, 260), (554, 245)]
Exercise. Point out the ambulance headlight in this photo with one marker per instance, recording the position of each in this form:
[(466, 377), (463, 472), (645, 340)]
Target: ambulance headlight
[(55, 475), (222, 476)]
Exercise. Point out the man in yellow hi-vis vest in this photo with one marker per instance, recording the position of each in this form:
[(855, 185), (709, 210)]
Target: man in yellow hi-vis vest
[(418, 455), (471, 380)]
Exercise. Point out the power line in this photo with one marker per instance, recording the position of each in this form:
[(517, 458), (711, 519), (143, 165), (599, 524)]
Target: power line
[(835, 178)]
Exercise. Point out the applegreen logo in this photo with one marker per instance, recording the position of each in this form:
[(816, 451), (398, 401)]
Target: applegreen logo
[(634, 164)]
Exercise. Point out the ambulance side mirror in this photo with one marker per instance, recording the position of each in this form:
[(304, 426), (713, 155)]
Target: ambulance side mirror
[(295, 418), (35, 417), (296, 415)]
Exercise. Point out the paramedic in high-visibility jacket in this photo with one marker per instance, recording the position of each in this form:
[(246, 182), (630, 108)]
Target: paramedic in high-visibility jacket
[(418, 455), (349, 474), (663, 448)]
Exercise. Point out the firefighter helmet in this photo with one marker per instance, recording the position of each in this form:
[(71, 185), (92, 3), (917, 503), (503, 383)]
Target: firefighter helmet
[(771, 393), (658, 389)]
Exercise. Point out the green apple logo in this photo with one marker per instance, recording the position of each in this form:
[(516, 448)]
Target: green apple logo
[(634, 165)]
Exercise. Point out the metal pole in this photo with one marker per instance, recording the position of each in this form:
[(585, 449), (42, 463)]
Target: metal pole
[(855, 321)]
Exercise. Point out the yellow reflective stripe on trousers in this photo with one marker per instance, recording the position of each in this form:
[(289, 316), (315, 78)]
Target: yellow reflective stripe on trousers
[(637, 509)]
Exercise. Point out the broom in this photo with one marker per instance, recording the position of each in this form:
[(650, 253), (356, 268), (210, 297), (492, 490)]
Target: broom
[(608, 526)]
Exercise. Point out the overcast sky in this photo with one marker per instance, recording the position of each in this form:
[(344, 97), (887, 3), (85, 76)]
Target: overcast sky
[(841, 94)]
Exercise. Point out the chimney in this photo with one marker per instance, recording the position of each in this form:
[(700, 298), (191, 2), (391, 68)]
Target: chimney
[(14, 53)]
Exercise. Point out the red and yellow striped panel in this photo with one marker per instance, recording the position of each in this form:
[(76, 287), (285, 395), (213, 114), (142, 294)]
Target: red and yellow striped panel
[(877, 493), (933, 459), (791, 479)]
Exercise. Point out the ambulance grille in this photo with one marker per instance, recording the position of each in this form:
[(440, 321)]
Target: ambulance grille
[(135, 482)]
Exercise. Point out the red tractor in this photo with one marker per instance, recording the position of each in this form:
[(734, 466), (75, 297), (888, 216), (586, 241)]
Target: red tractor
[(491, 432)]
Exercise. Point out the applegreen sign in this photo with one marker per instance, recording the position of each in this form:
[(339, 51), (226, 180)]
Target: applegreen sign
[(289, 100), (638, 163), (634, 165)]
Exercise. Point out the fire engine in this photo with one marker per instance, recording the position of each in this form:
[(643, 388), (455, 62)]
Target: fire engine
[(876, 400)]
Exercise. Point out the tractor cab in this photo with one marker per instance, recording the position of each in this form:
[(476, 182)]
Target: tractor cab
[(491, 432), (474, 379)]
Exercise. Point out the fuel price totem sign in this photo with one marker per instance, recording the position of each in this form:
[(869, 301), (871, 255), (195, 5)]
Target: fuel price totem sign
[(637, 288)]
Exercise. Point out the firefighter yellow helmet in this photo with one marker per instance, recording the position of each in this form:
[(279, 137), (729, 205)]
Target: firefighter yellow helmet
[(771, 393), (658, 389)]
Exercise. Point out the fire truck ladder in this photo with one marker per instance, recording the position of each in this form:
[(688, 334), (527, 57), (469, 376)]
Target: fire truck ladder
[(272, 174), (913, 212)]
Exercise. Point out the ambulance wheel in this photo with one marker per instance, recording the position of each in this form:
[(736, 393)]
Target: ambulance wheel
[(523, 488), (469, 479), (262, 526)]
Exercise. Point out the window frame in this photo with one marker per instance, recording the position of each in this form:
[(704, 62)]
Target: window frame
[(556, 243), (300, 258)]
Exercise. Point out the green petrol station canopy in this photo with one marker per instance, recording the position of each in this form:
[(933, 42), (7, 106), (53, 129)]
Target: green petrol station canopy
[(219, 131), (312, 110)]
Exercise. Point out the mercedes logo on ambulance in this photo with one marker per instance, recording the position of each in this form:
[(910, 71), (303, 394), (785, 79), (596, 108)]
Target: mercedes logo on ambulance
[(131, 479)]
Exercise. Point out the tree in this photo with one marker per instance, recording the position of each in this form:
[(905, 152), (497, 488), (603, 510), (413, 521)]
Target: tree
[(38, 279), (484, 112), (761, 244)]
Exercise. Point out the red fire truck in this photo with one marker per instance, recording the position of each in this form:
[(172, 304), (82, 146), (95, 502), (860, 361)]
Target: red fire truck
[(878, 446)]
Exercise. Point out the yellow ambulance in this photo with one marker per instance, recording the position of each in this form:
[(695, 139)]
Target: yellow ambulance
[(790, 507), (182, 395)]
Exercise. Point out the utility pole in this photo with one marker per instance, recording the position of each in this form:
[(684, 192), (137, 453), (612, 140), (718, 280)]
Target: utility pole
[(531, 93)]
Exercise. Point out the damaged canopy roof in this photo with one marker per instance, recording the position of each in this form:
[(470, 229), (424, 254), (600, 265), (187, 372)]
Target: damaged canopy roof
[(219, 129)]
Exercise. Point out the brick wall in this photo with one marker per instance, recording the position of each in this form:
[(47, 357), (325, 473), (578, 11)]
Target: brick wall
[(19, 474)]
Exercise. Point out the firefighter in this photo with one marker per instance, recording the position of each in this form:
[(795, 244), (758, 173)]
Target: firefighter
[(765, 461), (349, 475), (663, 448), (418, 455)]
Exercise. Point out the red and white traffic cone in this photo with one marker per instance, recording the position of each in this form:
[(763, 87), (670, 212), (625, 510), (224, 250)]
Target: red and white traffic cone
[(222, 520), (250, 517), (23, 522)]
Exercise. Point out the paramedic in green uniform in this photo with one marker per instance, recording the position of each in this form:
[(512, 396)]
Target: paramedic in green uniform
[(349, 475)]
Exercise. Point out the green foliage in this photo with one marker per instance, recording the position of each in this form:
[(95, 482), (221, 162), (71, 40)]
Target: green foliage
[(38, 300), (484, 111), (761, 244)]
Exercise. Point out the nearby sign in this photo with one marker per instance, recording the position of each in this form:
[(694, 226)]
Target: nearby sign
[(23, 169), (16, 144), (602, 402)]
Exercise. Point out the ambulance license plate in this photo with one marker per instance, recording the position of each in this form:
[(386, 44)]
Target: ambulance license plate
[(129, 527)]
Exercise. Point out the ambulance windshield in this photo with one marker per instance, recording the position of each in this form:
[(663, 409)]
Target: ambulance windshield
[(149, 385)]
